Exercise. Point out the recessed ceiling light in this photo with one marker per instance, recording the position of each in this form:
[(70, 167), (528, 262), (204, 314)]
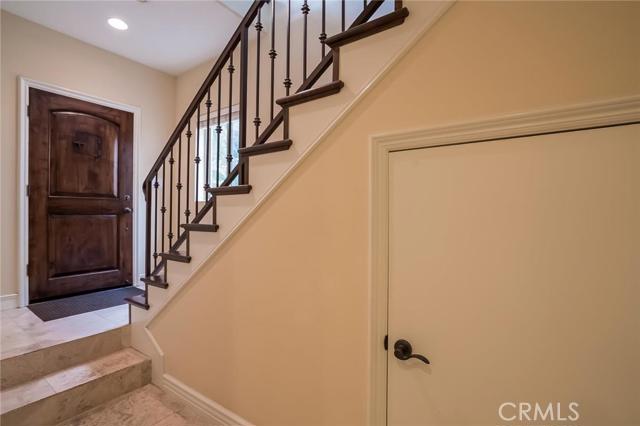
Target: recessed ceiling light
[(118, 24)]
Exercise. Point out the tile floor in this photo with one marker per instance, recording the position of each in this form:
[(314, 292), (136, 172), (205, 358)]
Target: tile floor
[(147, 406), (21, 331)]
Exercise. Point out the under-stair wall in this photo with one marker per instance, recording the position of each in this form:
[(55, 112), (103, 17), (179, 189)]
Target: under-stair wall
[(360, 64)]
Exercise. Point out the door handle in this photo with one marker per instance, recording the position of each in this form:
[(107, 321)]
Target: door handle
[(403, 351), (127, 210)]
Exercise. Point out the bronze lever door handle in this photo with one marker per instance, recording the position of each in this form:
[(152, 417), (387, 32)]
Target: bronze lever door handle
[(403, 351)]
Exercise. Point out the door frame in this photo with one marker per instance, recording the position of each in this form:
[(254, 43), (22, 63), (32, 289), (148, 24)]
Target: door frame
[(24, 84), (606, 113)]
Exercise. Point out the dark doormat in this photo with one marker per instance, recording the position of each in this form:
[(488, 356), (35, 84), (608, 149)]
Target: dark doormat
[(74, 305)]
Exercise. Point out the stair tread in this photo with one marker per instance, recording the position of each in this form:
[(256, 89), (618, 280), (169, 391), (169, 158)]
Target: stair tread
[(178, 256), (156, 281), (311, 94), (265, 148), (229, 190), (369, 28), (63, 380), (137, 301), (201, 227)]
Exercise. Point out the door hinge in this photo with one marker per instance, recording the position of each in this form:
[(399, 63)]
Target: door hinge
[(28, 190), (28, 110), (28, 270), (386, 342)]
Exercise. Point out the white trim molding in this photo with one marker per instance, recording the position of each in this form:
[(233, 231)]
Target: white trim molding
[(576, 117), (9, 301), (24, 84), (202, 404)]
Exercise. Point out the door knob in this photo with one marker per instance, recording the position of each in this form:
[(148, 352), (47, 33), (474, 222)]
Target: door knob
[(127, 210), (403, 351)]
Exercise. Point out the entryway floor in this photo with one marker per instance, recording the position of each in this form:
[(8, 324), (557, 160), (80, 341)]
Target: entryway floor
[(21, 331)]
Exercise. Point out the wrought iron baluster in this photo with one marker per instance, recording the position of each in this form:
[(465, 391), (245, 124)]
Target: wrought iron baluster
[(196, 160), (218, 131), (272, 55), (179, 186), (287, 79), (163, 210), (323, 34), (256, 120), (207, 153), (170, 234), (343, 14), (243, 107), (231, 69), (305, 12), (155, 221), (187, 212)]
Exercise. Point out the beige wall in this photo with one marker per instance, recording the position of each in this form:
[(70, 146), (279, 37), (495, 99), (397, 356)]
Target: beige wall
[(188, 83), (38, 53), (275, 326)]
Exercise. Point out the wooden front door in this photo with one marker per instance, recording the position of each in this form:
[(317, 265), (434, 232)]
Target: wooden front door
[(80, 196), (513, 267)]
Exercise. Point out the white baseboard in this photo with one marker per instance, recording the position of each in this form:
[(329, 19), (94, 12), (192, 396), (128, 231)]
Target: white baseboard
[(202, 404), (9, 301)]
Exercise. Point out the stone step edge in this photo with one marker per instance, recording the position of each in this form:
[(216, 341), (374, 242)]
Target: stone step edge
[(60, 382), (19, 369)]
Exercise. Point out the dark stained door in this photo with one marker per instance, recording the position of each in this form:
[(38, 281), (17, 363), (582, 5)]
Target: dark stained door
[(80, 199)]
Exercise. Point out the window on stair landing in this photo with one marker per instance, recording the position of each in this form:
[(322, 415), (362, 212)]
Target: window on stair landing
[(217, 152)]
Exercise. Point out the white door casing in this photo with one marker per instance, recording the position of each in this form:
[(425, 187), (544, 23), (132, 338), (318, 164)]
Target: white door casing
[(586, 116)]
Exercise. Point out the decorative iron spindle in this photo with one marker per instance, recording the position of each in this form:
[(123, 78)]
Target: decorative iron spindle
[(163, 210), (207, 152), (343, 14), (242, 107), (305, 12), (231, 69), (187, 212), (287, 79), (256, 120), (179, 185), (196, 160), (218, 131), (170, 234), (323, 34), (155, 221), (272, 55)]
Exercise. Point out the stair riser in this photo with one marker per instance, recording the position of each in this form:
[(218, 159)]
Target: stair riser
[(64, 405), (26, 367)]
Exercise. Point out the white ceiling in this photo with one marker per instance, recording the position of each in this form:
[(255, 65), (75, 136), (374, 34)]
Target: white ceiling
[(171, 36)]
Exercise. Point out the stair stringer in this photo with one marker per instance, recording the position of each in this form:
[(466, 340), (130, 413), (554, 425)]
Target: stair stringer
[(362, 65)]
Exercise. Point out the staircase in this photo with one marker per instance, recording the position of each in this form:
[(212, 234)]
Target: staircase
[(57, 382), (248, 116)]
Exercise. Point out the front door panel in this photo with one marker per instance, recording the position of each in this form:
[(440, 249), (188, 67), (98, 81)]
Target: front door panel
[(80, 177)]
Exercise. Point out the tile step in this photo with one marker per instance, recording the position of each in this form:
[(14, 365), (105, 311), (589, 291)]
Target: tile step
[(41, 362), (63, 394)]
